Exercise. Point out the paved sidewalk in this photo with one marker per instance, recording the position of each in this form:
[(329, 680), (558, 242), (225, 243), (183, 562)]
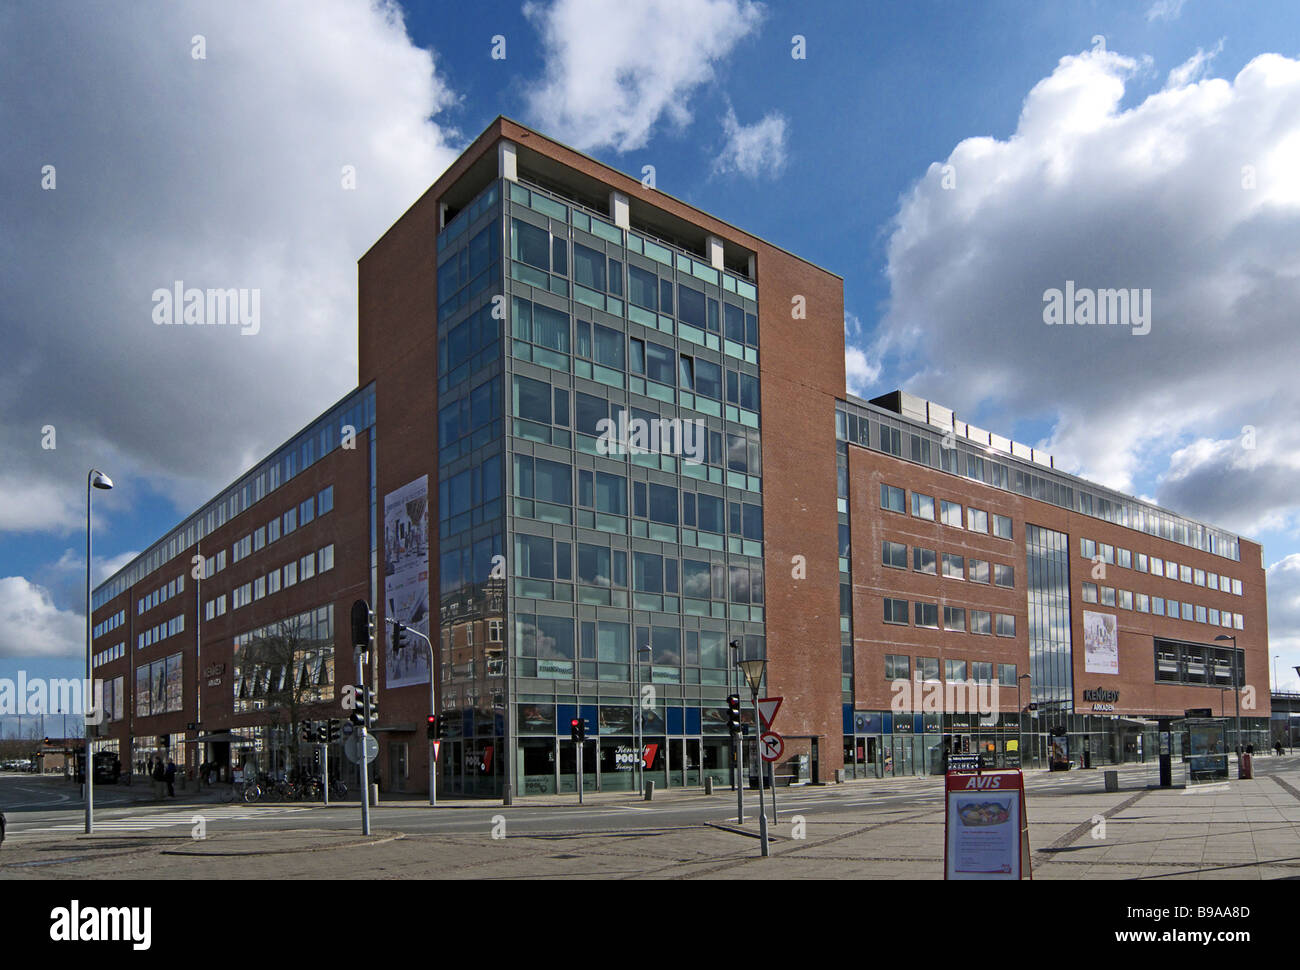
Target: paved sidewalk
[(1233, 830)]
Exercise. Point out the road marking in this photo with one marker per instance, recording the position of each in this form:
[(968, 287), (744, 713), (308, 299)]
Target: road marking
[(147, 823)]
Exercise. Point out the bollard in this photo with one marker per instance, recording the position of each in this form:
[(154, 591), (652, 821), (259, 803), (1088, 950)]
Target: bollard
[(708, 785), (374, 795), (649, 791), (1112, 780)]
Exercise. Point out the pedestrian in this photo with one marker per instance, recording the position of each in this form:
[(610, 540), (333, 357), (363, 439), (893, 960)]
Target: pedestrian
[(159, 775), (170, 775)]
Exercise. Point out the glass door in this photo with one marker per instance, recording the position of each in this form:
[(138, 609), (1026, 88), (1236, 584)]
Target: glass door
[(691, 763)]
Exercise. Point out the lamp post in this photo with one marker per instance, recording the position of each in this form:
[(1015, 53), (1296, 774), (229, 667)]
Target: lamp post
[(636, 714), (737, 742), (1020, 718), (1236, 694), (753, 671), (94, 479)]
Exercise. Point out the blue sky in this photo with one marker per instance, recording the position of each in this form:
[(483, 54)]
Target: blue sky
[(1119, 160)]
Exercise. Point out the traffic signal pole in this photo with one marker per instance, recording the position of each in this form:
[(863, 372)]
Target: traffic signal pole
[(398, 629), (325, 769)]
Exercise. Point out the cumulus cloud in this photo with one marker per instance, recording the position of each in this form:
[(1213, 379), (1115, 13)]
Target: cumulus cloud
[(861, 368), (752, 150), (614, 71), (32, 626), (1284, 618), (1191, 193), (225, 172)]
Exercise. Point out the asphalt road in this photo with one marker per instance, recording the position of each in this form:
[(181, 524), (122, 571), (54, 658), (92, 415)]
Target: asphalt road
[(43, 806)]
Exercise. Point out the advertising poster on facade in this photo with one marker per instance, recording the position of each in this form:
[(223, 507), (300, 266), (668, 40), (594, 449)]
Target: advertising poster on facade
[(406, 580), (1100, 643)]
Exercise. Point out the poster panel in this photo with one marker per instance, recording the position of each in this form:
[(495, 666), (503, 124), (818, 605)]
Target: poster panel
[(406, 580), (1100, 643)]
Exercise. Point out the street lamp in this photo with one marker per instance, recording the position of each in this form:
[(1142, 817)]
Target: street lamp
[(753, 671), (1236, 693), (636, 708), (94, 479), (1020, 717)]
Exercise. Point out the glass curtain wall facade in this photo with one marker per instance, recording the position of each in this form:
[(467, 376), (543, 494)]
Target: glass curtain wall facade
[(635, 513), (599, 445), (1047, 555)]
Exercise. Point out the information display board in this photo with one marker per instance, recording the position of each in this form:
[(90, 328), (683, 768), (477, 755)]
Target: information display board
[(986, 829)]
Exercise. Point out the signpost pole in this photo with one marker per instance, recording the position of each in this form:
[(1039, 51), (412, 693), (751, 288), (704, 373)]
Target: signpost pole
[(365, 764), (580, 746), (738, 746), (325, 769), (762, 814)]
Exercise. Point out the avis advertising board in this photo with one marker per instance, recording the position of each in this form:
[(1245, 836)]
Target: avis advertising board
[(986, 830)]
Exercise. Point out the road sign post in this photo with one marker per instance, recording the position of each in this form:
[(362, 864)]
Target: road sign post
[(767, 708), (363, 621)]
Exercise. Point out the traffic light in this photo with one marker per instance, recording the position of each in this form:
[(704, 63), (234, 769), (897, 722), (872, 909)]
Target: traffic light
[(433, 727), (366, 711), (47, 742), (733, 713), (322, 733), (363, 625), (578, 730), (357, 715), (399, 636), (333, 731), (306, 731)]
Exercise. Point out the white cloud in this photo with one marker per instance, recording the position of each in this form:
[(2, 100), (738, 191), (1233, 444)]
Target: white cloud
[(1192, 68), (32, 626), (1284, 619), (614, 70), (222, 172), (861, 368), (752, 150), (1165, 10), (1154, 196)]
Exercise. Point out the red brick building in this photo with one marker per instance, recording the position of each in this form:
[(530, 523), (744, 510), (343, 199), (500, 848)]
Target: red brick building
[(471, 487)]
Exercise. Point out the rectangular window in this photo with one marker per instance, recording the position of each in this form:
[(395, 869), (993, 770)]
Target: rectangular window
[(893, 554), (1187, 611), (290, 521), (950, 513), (891, 498), (1004, 576), (977, 520), (979, 571), (1157, 566), (1214, 617), (642, 288), (1158, 605), (1090, 592), (530, 245), (923, 506), (1125, 558), (1002, 527), (1087, 548), (1007, 675), (1236, 588), (273, 582), (954, 567), (589, 268), (290, 574), (1006, 625), (928, 668), (981, 622), (923, 561), (897, 667), (325, 500), (1142, 602), (1125, 599), (273, 529), (954, 618), (259, 538), (259, 587), (1185, 574), (1108, 596), (896, 611), (926, 614), (325, 559), (1200, 614), (954, 670), (982, 672), (305, 511), (1107, 553), (307, 566)]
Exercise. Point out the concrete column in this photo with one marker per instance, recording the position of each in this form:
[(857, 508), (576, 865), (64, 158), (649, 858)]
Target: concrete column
[(618, 210), (442, 216), (507, 162), (753, 273), (713, 246)]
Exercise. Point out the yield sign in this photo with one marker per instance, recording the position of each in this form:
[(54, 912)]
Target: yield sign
[(767, 708), (437, 746)]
